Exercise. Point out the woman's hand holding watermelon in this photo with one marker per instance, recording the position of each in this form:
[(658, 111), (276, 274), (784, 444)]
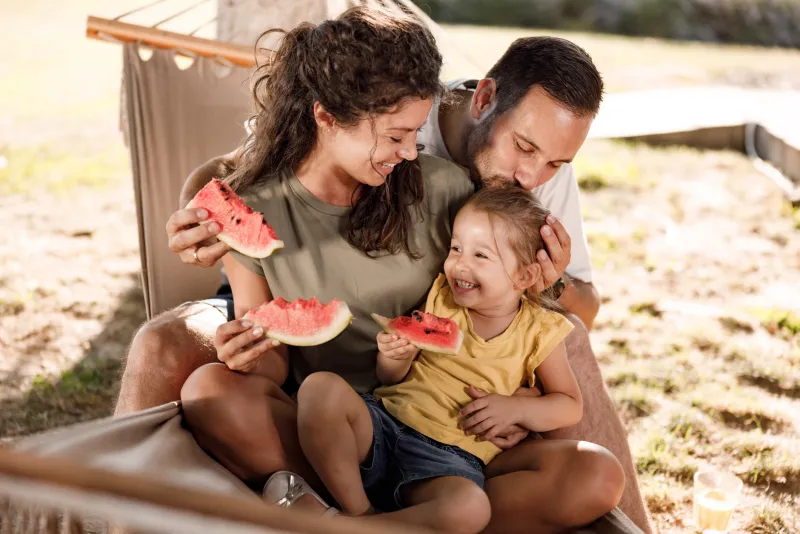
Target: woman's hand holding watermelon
[(194, 242), (240, 346)]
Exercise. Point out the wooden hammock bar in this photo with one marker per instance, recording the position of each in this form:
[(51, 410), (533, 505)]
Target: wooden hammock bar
[(114, 30)]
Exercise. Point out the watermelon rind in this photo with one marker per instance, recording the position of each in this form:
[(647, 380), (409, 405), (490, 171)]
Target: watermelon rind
[(385, 324), (258, 253), (341, 320)]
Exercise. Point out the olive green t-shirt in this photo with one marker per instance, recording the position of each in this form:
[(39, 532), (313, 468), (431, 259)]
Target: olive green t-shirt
[(317, 261)]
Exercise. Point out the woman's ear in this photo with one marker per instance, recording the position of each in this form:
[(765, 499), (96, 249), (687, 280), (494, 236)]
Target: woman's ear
[(483, 98), (324, 120), (528, 276)]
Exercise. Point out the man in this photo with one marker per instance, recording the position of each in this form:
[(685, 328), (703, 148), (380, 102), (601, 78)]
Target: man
[(521, 124)]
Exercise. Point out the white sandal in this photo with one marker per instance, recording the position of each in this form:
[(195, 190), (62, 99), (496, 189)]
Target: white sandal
[(284, 488)]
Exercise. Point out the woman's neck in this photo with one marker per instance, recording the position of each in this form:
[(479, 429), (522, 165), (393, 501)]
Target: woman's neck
[(490, 323), (325, 180)]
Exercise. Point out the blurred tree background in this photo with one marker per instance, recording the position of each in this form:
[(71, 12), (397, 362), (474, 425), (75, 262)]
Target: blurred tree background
[(756, 22)]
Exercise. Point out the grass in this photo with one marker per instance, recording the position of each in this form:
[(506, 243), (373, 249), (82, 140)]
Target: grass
[(777, 320), (774, 375), (594, 174), (635, 400), (738, 410), (84, 392), (646, 308), (59, 170), (768, 520), (658, 458), (690, 426)]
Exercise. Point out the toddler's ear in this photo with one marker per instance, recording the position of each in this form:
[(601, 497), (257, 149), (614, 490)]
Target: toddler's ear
[(528, 276)]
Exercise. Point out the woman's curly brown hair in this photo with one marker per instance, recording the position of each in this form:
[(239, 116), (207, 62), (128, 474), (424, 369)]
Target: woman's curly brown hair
[(363, 63)]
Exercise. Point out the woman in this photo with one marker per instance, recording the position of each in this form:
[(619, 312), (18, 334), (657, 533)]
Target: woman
[(332, 163)]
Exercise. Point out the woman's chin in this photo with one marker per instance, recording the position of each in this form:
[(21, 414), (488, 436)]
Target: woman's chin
[(376, 180)]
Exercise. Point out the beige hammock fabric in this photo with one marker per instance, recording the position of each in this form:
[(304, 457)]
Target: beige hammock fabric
[(176, 120), (154, 444)]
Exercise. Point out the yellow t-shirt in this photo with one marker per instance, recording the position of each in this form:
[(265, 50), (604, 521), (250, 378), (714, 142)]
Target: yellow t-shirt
[(436, 387)]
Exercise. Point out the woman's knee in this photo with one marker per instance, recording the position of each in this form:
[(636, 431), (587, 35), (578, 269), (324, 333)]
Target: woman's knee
[(603, 477), (466, 510), (219, 401), (213, 380)]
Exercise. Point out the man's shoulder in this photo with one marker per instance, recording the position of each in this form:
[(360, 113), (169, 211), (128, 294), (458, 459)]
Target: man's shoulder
[(563, 177), (558, 186)]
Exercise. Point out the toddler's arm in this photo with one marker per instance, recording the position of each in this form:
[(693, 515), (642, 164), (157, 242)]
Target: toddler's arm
[(561, 404), (394, 358)]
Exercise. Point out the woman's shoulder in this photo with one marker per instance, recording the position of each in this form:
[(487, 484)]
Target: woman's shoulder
[(444, 179), (260, 194)]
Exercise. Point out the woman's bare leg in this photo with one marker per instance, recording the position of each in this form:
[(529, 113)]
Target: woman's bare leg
[(246, 422)]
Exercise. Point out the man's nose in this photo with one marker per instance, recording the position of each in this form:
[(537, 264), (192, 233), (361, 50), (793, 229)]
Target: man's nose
[(528, 176)]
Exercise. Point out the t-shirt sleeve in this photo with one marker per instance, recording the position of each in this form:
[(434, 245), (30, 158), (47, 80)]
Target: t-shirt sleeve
[(553, 329), (565, 204), (436, 295), (252, 264)]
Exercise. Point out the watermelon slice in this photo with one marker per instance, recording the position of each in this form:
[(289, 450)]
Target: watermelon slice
[(425, 330), (242, 228), (303, 322)]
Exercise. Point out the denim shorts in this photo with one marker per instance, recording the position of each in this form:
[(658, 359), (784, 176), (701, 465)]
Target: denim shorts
[(223, 302), (401, 455)]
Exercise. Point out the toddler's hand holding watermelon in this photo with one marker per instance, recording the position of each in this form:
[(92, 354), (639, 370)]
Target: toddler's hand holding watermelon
[(240, 346), (395, 348)]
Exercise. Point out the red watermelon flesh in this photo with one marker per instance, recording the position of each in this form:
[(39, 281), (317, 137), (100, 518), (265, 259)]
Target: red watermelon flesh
[(425, 330), (242, 228), (302, 322)]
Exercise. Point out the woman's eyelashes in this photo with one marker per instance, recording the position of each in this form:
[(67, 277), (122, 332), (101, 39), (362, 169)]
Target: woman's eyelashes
[(400, 140)]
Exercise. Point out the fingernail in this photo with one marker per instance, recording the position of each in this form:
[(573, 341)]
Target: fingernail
[(275, 342), (542, 255), (546, 230), (213, 228), (202, 213), (258, 331), (247, 324), (550, 219)]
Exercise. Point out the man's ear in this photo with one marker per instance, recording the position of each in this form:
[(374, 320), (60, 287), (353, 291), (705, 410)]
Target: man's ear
[(324, 120), (483, 98), (528, 276)]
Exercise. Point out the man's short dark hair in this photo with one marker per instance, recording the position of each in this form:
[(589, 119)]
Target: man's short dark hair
[(562, 68)]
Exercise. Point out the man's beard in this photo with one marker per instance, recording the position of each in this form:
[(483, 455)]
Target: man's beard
[(477, 146)]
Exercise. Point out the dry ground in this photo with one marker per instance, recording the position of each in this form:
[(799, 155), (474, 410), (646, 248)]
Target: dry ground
[(697, 258)]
